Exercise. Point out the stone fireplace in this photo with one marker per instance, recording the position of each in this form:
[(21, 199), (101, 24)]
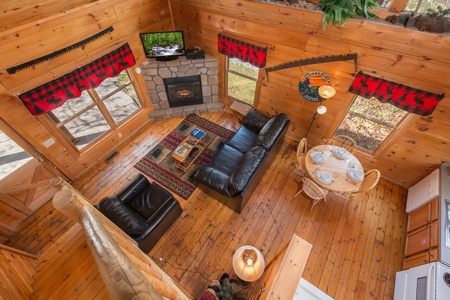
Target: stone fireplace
[(183, 86)]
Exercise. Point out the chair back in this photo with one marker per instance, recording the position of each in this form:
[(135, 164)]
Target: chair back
[(302, 149), (371, 179), (343, 141), (313, 191)]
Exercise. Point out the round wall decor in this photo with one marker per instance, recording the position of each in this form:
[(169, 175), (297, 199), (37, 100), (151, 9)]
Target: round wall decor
[(310, 83)]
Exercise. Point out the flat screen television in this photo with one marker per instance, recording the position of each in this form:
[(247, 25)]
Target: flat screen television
[(163, 45)]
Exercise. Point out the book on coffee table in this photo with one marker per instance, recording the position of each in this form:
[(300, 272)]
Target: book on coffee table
[(182, 150), (197, 133)]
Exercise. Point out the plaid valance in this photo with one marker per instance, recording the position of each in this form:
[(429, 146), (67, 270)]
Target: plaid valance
[(246, 52), (404, 97), (55, 93)]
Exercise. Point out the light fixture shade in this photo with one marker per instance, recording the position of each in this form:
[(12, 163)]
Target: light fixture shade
[(321, 110), (326, 91), (248, 263)]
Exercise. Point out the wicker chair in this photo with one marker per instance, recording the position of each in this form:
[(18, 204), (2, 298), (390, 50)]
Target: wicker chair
[(371, 179), (343, 141), (313, 191), (300, 167)]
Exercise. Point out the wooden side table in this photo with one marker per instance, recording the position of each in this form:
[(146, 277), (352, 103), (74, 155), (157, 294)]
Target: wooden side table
[(240, 109)]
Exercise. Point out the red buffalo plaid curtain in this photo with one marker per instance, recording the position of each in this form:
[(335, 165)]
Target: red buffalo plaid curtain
[(404, 97), (55, 93), (233, 48)]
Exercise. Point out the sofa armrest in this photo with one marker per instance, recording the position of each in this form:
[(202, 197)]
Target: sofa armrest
[(270, 132), (158, 216), (255, 121), (129, 192), (214, 179), (245, 169)]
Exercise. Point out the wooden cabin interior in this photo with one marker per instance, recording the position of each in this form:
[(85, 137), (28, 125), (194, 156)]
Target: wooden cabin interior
[(357, 244)]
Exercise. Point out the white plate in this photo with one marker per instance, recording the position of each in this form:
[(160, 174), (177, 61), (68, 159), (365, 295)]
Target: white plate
[(324, 177), (341, 153), (356, 174), (317, 157)]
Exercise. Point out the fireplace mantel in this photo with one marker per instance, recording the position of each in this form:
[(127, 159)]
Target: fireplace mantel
[(155, 71)]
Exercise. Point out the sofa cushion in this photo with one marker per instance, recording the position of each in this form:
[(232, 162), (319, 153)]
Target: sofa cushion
[(243, 139), (132, 189), (226, 159), (123, 216), (150, 200), (254, 120), (244, 170), (270, 132)]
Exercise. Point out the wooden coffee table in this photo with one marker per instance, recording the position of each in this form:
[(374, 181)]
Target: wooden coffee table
[(184, 150)]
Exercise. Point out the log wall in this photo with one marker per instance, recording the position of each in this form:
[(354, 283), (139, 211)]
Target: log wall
[(30, 29), (406, 56)]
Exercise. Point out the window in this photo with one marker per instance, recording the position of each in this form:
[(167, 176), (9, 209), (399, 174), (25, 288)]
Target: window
[(424, 5), (369, 122), (84, 119), (12, 156), (242, 80)]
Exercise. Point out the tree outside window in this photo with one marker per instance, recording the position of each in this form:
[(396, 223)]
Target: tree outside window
[(96, 111), (423, 6), (242, 80), (370, 122)]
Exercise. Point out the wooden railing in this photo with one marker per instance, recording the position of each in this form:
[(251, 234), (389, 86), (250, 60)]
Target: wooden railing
[(127, 272)]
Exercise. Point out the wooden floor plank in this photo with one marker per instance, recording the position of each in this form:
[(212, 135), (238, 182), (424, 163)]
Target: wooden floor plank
[(357, 243)]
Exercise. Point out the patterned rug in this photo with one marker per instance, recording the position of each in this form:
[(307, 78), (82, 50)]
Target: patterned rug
[(158, 163)]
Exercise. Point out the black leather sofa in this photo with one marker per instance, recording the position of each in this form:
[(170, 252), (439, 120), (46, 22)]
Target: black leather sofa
[(143, 210), (238, 166)]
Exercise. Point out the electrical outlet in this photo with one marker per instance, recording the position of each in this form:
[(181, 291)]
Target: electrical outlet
[(48, 142)]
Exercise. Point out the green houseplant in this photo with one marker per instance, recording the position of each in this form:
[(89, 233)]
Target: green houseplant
[(336, 12)]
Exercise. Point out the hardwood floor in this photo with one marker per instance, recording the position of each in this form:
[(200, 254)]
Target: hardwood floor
[(357, 244)]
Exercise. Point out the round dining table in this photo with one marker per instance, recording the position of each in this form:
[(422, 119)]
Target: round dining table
[(336, 166)]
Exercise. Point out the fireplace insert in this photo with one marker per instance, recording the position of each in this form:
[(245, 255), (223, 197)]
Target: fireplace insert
[(184, 91)]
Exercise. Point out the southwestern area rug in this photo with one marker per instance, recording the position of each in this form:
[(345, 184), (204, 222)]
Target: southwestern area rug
[(158, 163)]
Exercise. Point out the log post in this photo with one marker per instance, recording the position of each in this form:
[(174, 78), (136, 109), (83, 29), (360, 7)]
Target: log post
[(121, 277)]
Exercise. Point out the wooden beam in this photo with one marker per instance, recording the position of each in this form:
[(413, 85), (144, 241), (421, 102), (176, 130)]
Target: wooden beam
[(26, 186), (291, 270)]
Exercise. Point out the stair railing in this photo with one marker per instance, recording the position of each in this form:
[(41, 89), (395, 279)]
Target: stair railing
[(127, 272)]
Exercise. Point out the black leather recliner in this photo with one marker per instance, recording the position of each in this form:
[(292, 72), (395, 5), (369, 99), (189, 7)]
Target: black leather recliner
[(143, 210)]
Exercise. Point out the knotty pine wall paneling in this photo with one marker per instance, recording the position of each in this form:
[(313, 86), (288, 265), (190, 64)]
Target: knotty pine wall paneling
[(31, 29), (407, 56)]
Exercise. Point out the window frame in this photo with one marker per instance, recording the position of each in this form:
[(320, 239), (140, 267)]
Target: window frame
[(400, 6), (389, 140), (65, 135), (258, 82)]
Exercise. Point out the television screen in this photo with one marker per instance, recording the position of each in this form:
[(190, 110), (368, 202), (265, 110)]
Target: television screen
[(163, 45)]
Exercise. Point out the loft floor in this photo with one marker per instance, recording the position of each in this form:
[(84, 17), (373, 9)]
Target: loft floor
[(357, 244)]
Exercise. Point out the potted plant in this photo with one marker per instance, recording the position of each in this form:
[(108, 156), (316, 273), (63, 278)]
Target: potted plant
[(336, 12)]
